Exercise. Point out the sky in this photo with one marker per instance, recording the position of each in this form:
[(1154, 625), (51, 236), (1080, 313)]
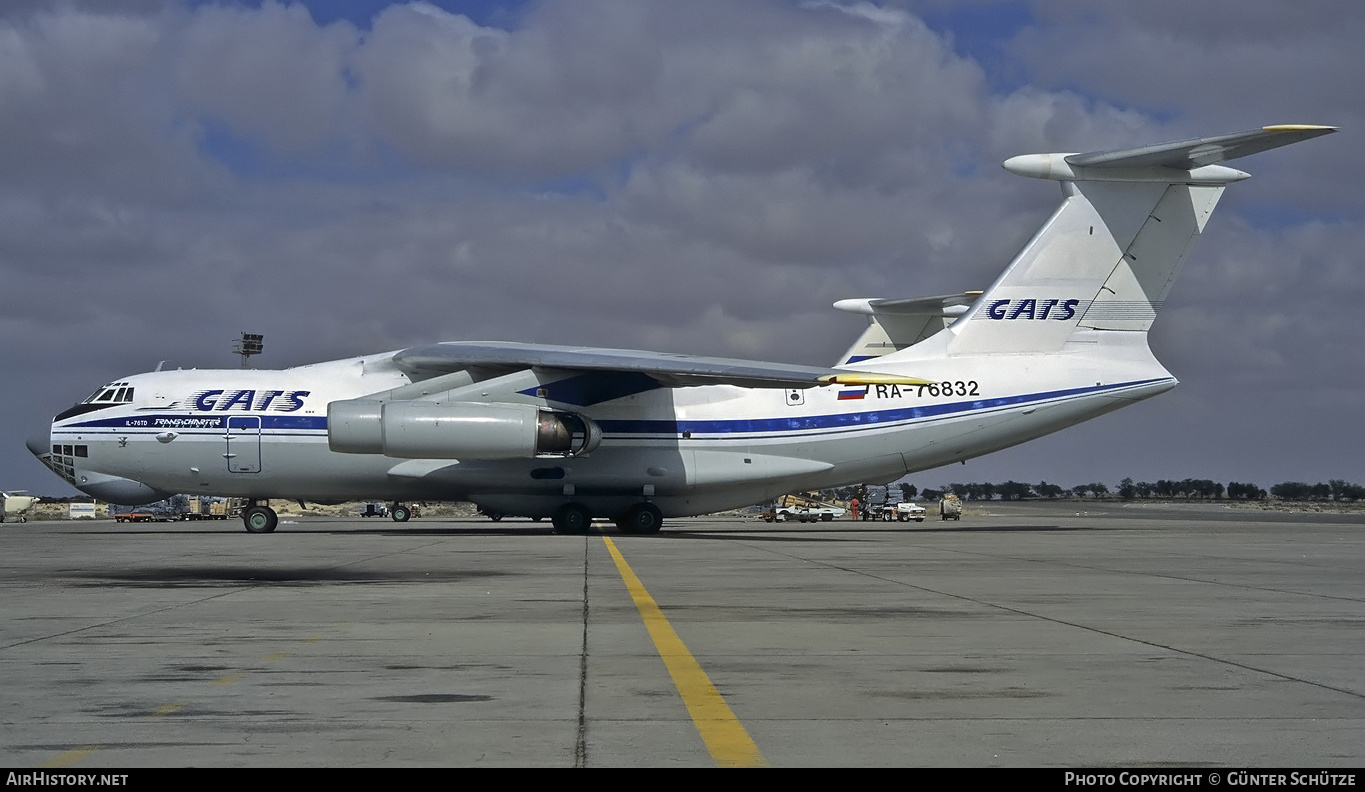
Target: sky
[(703, 177)]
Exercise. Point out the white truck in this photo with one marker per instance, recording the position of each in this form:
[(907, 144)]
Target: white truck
[(810, 513), (909, 511)]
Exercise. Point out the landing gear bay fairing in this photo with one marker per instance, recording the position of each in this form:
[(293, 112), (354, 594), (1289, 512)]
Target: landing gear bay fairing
[(575, 433)]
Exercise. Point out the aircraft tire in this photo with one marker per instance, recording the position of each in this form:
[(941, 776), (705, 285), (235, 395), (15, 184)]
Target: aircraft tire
[(260, 519), (400, 513), (643, 518), (495, 516), (572, 519)]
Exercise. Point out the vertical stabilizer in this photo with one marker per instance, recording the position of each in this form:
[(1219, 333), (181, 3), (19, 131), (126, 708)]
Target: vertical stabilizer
[(1106, 258)]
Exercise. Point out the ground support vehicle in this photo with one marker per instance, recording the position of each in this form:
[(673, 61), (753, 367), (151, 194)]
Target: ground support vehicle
[(205, 509)]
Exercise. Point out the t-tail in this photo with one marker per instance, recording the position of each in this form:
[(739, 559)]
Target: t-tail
[(1103, 262)]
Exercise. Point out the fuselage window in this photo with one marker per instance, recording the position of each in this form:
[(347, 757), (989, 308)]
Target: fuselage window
[(128, 397), (106, 396)]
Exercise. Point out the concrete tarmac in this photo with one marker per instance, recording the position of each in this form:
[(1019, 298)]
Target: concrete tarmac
[(1037, 635)]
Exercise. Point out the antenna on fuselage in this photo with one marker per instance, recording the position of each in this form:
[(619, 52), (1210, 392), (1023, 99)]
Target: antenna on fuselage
[(250, 344)]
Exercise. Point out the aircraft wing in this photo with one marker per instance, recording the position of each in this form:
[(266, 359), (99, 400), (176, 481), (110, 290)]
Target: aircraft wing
[(675, 371)]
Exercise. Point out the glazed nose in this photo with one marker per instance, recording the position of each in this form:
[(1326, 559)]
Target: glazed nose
[(39, 444)]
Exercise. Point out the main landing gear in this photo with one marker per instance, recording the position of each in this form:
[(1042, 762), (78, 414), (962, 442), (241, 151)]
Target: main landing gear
[(259, 519), (642, 518), (575, 519), (400, 512)]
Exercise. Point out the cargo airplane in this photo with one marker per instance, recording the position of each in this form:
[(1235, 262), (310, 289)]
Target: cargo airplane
[(574, 433)]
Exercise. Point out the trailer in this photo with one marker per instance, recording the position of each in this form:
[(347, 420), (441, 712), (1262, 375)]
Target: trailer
[(199, 508)]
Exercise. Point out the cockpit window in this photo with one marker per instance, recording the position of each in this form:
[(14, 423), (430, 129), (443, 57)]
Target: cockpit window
[(117, 393)]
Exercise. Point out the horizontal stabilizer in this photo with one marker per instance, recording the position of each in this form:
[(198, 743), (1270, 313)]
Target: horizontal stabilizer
[(1198, 152), (941, 305), (1193, 162), (895, 324)]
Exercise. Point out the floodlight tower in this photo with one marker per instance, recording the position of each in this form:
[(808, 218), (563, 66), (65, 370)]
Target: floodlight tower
[(250, 344)]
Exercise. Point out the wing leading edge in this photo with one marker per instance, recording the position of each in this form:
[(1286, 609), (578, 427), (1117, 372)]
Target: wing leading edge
[(674, 371)]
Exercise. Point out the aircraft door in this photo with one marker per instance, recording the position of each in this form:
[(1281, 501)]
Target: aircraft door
[(243, 452)]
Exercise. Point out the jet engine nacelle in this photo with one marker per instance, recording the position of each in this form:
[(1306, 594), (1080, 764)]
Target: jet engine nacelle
[(457, 430)]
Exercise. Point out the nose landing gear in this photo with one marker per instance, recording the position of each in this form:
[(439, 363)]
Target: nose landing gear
[(259, 519)]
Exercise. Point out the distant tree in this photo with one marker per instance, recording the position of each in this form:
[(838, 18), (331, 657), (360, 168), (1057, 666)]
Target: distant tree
[(1127, 490), (1014, 490), (1243, 491), (931, 494), (1292, 490), (1343, 490), (1049, 491), (910, 491)]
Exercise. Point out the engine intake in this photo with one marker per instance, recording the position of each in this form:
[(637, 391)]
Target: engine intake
[(457, 430)]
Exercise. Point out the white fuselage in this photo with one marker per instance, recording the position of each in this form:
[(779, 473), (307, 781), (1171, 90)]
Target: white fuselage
[(264, 434)]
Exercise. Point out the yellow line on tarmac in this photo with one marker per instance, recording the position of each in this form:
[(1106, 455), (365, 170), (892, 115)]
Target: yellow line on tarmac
[(167, 709), (69, 757), (726, 739)]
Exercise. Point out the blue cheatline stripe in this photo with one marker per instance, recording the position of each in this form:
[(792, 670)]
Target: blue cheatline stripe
[(201, 421), (849, 420), (152, 423)]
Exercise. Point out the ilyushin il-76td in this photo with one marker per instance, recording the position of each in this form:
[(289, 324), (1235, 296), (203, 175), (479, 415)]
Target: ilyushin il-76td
[(576, 433)]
